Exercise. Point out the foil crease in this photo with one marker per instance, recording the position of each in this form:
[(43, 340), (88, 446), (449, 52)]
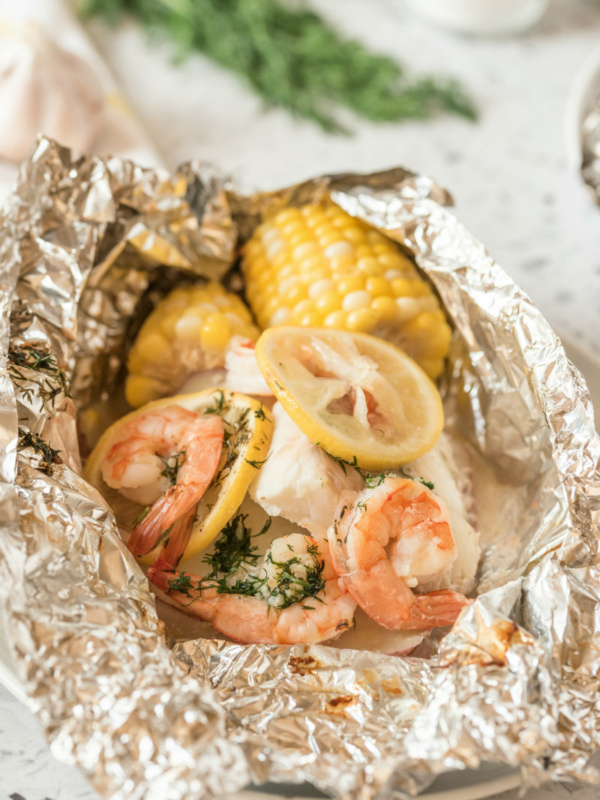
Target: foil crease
[(84, 243)]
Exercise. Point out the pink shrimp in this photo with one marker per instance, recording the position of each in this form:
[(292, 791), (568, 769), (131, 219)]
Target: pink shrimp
[(258, 619), (165, 458), (384, 541)]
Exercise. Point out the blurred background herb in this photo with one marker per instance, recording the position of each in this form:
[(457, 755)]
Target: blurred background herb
[(292, 58)]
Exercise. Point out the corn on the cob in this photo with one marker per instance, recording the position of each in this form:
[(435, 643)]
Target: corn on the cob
[(188, 332), (318, 266)]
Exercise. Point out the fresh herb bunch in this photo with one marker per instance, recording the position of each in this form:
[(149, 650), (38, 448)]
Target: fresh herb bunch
[(292, 58)]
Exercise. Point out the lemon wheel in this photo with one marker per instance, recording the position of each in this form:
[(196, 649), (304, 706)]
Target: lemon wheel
[(248, 428), (360, 398)]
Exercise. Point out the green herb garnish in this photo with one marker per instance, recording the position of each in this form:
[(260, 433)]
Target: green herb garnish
[(292, 58), (219, 407), (25, 359), (172, 465), (49, 455)]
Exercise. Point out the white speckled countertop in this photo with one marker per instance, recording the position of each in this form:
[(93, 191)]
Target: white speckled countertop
[(508, 173)]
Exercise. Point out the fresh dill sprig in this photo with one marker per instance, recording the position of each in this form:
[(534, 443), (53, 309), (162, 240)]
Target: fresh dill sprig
[(294, 59)]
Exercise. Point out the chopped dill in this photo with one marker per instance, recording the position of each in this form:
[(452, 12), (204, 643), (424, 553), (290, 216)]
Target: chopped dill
[(220, 405), (373, 481), (290, 587), (47, 386), (341, 461), (182, 583), (234, 547), (260, 412), (405, 474), (49, 455), (172, 465), (256, 464)]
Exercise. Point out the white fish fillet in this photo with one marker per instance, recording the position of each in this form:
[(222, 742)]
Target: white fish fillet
[(243, 373), (299, 481)]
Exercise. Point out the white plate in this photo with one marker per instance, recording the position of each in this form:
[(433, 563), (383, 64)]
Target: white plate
[(489, 779)]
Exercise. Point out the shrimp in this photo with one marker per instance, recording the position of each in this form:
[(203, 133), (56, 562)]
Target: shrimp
[(298, 597), (386, 540), (165, 458)]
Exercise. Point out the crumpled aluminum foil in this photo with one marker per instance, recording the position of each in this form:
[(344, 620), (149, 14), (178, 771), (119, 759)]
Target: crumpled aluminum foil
[(516, 681)]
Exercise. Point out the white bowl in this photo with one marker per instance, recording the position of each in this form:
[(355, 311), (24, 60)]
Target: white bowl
[(481, 17), (584, 90)]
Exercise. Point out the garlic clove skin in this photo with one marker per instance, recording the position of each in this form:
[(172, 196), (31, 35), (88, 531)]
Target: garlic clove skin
[(45, 89)]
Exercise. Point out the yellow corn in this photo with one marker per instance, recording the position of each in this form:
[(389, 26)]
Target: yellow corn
[(318, 266), (187, 332)]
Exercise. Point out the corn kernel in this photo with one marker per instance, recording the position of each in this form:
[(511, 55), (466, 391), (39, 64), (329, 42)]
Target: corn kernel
[(385, 307), (274, 247), (393, 260), (304, 250), (320, 287), (280, 316), (140, 390), (363, 319), (343, 264), (336, 320), (355, 235), (403, 287), (311, 320), (355, 300), (315, 262), (188, 328), (378, 286), (287, 215), (216, 333), (352, 283), (407, 308), (302, 308), (301, 237), (330, 301), (339, 248), (328, 239)]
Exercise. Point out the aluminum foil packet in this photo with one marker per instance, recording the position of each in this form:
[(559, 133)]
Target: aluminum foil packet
[(85, 246)]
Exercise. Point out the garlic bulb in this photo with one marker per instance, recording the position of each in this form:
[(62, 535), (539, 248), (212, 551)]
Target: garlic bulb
[(45, 89)]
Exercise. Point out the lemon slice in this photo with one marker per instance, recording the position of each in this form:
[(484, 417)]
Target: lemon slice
[(248, 428), (358, 397)]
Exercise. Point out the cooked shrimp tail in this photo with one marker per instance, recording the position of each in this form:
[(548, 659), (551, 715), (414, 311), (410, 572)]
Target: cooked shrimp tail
[(384, 541), (443, 606), (177, 540), (166, 459)]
